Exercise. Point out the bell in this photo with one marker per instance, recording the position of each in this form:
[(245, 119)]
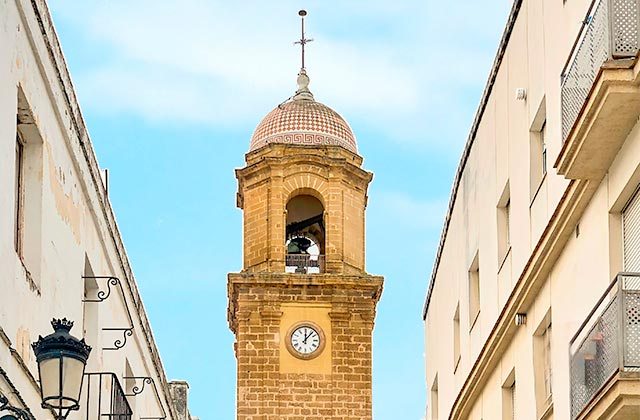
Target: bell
[(298, 245)]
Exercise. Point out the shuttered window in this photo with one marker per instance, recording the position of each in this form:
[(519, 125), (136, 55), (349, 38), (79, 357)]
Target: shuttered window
[(548, 373), (513, 402), (631, 233)]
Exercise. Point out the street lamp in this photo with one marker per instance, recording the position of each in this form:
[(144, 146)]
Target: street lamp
[(61, 361)]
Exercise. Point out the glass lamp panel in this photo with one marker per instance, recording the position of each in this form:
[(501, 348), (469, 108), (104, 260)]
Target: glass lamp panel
[(50, 378), (72, 372)]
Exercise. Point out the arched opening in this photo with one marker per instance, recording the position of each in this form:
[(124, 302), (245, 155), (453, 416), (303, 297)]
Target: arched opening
[(305, 235)]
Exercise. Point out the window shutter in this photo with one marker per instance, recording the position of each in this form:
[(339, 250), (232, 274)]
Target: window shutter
[(513, 401), (631, 234), (548, 375)]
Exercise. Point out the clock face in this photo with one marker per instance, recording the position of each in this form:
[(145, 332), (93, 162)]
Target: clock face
[(305, 340)]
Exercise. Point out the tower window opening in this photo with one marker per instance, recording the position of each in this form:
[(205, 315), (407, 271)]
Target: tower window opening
[(305, 235)]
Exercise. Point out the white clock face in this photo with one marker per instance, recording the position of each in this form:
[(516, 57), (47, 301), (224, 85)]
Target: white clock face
[(305, 340)]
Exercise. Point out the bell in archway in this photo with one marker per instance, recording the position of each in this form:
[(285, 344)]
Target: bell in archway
[(298, 245)]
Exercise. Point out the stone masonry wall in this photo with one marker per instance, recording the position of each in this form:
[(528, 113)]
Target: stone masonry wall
[(264, 392)]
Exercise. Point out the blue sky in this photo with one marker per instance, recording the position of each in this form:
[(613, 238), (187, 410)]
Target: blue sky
[(172, 90)]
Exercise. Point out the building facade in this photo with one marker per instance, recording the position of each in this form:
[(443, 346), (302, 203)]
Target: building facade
[(532, 307), (303, 307), (61, 254)]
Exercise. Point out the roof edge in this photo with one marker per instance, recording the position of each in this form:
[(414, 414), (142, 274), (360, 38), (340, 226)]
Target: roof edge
[(506, 35)]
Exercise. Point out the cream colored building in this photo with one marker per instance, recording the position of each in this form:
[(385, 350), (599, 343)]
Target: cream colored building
[(527, 316), (59, 241)]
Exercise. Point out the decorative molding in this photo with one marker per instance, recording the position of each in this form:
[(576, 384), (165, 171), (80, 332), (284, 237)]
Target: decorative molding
[(4, 337), (24, 367), (340, 314), (270, 313)]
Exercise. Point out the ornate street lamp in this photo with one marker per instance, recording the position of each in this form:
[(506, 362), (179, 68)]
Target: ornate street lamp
[(61, 361)]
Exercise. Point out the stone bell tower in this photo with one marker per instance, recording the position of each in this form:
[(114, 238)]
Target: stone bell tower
[(303, 307)]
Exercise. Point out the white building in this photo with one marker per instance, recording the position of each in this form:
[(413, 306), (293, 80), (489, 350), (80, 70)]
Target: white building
[(59, 241)]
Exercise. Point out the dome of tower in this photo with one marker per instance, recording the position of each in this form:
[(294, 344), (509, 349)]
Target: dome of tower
[(303, 121)]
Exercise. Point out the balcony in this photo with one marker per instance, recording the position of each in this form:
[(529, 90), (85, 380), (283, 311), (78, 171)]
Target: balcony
[(304, 264), (103, 398), (605, 355), (600, 93)]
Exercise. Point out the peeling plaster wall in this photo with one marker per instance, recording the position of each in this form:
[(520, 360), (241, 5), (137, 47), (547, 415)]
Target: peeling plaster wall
[(69, 224)]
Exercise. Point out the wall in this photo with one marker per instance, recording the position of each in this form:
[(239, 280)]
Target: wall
[(536, 48), (75, 229)]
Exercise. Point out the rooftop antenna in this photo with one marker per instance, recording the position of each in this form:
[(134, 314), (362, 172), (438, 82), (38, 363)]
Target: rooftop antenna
[(303, 41)]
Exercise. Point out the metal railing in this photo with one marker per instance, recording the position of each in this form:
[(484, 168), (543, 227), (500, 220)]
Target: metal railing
[(607, 342), (304, 264), (610, 31), (104, 397)]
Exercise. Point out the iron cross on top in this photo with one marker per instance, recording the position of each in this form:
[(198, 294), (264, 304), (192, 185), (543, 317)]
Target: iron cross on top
[(303, 41)]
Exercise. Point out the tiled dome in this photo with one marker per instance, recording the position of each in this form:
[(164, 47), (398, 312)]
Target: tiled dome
[(303, 121)]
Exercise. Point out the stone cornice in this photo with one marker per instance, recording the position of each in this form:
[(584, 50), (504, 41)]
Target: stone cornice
[(327, 163), (320, 280), (369, 284)]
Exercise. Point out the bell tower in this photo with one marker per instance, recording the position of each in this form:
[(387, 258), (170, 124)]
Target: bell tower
[(303, 307)]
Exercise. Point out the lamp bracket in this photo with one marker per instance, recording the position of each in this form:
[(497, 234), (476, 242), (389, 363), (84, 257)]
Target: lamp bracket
[(137, 390), (103, 295)]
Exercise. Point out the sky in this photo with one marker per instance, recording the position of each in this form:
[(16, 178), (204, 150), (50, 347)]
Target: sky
[(172, 90)]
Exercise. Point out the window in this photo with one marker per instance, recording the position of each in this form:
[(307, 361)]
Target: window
[(129, 388), (90, 320), (537, 159), (543, 140), (548, 373), (305, 235), (474, 291), (28, 192), (504, 224), (19, 195), (509, 394), (512, 398), (434, 399), (456, 338), (542, 364)]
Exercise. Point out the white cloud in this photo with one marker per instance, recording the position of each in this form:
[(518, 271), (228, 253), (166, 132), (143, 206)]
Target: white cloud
[(400, 68)]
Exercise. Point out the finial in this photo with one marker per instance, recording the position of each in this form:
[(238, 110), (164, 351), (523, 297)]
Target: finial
[(62, 324), (303, 91), (303, 41)]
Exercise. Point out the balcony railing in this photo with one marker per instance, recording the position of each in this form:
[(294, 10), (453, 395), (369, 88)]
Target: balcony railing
[(608, 342), (104, 398), (610, 31), (304, 264)]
